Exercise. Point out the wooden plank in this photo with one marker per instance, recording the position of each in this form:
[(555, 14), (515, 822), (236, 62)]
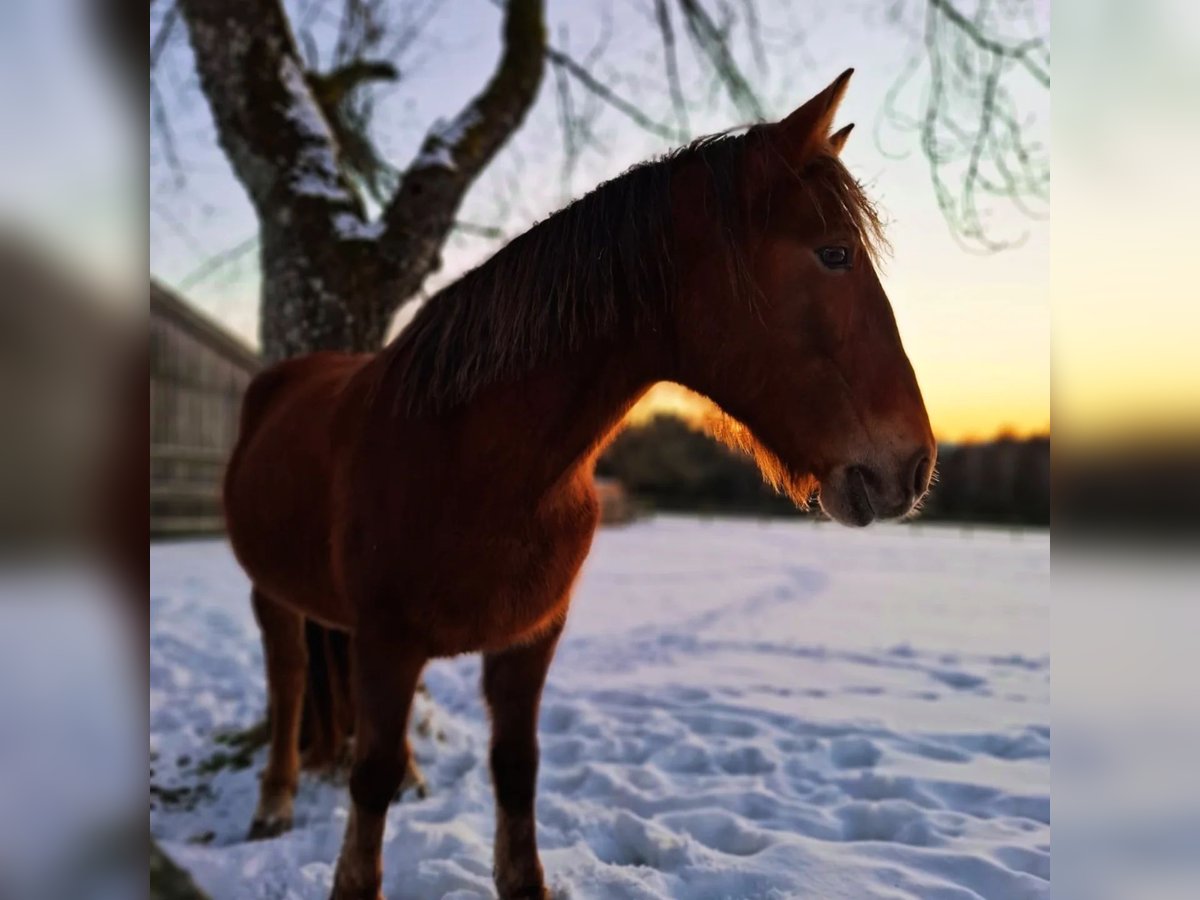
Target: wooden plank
[(184, 491), (182, 453), (168, 525)]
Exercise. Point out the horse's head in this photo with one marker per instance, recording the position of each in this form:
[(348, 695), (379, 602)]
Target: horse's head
[(782, 321)]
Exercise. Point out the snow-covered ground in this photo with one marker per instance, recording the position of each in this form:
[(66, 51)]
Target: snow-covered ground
[(738, 710)]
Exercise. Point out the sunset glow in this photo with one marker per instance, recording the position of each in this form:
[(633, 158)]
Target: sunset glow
[(953, 418)]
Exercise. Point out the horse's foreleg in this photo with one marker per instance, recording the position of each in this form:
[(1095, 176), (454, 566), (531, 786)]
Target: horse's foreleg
[(512, 684), (385, 677), (286, 657)]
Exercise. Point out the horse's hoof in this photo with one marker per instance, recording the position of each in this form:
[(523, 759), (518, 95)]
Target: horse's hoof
[(269, 827), (529, 892), (345, 889), (355, 895), (414, 780), (419, 791)]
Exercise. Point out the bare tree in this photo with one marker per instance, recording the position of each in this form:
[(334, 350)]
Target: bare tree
[(331, 278)]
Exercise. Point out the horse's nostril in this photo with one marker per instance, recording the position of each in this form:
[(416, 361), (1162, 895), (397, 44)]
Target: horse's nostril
[(920, 473), (866, 477)]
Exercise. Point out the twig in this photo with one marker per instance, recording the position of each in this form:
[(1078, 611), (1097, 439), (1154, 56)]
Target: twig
[(663, 16), (215, 263), (584, 77)]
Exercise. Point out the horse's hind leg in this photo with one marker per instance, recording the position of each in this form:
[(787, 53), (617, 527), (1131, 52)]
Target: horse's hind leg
[(286, 658), (385, 678), (512, 684)]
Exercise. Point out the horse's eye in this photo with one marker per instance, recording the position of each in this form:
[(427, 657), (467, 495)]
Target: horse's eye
[(834, 257)]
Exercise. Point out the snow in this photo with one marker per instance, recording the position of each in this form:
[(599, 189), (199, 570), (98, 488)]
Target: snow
[(316, 169), (443, 138), (435, 156), (315, 172), (301, 109), (350, 226), (738, 709)]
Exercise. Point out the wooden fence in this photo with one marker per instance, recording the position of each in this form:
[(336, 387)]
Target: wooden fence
[(198, 373)]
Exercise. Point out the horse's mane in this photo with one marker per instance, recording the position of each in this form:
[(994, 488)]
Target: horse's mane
[(847, 201), (600, 268)]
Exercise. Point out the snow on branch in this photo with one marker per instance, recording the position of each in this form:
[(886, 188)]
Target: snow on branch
[(314, 170), (443, 137), (268, 121), (454, 152)]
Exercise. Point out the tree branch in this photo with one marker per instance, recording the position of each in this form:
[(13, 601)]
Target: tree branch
[(423, 210), (662, 16), (713, 43), (970, 127), (268, 123), (604, 92), (1021, 53)]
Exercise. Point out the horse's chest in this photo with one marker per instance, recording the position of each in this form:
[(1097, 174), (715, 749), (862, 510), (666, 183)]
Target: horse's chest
[(503, 585)]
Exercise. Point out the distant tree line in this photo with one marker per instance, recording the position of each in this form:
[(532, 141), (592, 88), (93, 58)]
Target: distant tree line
[(1003, 481), (665, 464), (1143, 486)]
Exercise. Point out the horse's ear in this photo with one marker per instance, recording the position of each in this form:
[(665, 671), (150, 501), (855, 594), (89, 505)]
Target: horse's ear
[(837, 140), (805, 131)]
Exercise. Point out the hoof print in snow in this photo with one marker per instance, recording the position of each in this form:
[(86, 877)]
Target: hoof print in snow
[(853, 753)]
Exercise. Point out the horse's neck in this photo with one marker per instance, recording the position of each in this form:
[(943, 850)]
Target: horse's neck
[(547, 426)]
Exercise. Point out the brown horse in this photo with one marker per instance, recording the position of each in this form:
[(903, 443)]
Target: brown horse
[(436, 498)]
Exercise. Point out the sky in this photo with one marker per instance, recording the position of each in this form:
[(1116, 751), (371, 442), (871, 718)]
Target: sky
[(1126, 141), (976, 326)]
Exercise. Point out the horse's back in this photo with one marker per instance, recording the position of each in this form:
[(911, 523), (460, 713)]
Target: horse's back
[(277, 485)]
